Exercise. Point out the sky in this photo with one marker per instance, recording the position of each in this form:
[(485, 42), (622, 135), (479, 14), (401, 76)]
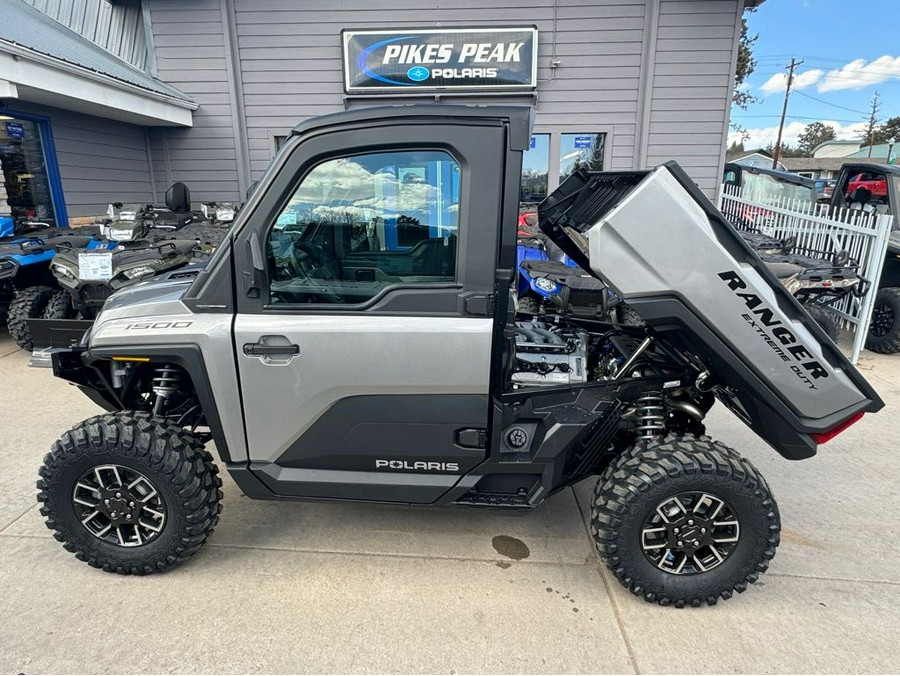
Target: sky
[(849, 51)]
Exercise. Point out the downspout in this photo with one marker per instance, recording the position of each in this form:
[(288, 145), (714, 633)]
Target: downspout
[(149, 44), (236, 93), (148, 150), (645, 85), (734, 56)]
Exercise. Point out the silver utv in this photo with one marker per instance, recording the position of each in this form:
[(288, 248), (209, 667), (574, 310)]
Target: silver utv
[(355, 338)]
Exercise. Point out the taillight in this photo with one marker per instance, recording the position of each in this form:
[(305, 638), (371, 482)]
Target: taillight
[(822, 437)]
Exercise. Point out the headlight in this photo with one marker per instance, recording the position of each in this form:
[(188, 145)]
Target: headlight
[(121, 235), (127, 216), (225, 214), (139, 271), (545, 284), (64, 271)]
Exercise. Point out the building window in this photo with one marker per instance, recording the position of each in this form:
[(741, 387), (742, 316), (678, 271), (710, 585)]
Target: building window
[(358, 225), (28, 176), (580, 151), (535, 170)]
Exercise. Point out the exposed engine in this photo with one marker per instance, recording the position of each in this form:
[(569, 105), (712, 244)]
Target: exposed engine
[(549, 355)]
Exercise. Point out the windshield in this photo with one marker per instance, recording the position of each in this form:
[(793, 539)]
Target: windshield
[(765, 188)]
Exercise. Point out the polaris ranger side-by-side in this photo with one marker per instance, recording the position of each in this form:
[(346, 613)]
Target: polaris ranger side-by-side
[(355, 338)]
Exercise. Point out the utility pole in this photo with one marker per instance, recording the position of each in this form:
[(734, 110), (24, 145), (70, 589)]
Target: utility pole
[(787, 94)]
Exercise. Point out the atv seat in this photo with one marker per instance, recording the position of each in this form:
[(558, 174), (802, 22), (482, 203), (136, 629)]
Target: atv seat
[(178, 203), (783, 270)]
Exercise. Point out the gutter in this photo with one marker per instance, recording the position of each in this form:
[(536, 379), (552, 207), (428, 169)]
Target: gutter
[(88, 74)]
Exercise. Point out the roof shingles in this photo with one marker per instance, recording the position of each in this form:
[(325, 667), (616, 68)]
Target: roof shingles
[(28, 28)]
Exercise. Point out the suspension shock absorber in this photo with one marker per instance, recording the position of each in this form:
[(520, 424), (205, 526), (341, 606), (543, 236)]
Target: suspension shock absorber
[(651, 416), (164, 384)]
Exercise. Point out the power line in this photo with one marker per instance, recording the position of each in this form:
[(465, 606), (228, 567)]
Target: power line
[(833, 105)]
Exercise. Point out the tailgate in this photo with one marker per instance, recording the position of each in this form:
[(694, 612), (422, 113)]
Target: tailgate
[(660, 244)]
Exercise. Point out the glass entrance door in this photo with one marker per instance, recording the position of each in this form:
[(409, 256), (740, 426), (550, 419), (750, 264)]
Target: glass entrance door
[(25, 176)]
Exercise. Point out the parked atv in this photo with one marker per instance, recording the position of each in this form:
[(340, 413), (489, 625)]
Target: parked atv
[(818, 279), (875, 188), (351, 368), (88, 278), (26, 281)]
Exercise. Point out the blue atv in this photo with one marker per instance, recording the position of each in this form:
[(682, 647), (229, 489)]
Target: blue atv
[(27, 285), (555, 284)]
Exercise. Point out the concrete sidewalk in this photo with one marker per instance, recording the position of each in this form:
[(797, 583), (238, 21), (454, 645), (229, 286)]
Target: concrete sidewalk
[(294, 587)]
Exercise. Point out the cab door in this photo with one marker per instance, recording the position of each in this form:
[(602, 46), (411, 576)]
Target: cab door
[(363, 333)]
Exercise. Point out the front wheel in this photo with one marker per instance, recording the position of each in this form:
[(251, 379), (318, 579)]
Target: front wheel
[(884, 329), (684, 521), (28, 303), (130, 493)]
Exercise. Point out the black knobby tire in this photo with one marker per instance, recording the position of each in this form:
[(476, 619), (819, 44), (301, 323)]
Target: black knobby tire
[(884, 329), (644, 477), (826, 319), (6, 296), (172, 459), (60, 306), (28, 303)]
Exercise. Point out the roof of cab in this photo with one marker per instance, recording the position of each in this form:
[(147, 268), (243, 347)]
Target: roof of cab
[(520, 117)]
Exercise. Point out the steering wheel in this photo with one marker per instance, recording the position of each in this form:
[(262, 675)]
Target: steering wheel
[(305, 259)]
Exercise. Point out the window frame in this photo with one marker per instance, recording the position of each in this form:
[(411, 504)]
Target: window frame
[(556, 131), (455, 283)]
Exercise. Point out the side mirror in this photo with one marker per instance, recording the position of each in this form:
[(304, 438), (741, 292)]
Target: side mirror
[(252, 188)]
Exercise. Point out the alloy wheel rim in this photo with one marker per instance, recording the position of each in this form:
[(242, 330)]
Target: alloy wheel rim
[(690, 533), (119, 505), (882, 320)]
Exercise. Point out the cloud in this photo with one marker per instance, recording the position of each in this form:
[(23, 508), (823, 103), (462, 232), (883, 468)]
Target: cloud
[(760, 137), (778, 82), (858, 74)]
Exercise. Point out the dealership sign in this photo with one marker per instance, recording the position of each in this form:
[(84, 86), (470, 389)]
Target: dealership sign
[(440, 59)]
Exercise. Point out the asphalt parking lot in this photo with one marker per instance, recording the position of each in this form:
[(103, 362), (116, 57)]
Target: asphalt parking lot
[(294, 587)]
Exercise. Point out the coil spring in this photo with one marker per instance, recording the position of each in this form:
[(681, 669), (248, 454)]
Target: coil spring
[(164, 383), (651, 416)]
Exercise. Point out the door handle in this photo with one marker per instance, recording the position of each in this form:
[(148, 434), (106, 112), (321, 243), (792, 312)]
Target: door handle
[(263, 350)]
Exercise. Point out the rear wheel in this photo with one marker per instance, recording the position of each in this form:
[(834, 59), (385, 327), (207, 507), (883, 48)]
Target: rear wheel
[(884, 328), (28, 303), (130, 493), (6, 296), (826, 319), (684, 521)]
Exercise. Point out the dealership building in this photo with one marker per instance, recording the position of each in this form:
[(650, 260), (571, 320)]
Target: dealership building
[(114, 100)]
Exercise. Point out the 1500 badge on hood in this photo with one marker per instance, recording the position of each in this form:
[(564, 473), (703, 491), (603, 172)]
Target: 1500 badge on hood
[(461, 58)]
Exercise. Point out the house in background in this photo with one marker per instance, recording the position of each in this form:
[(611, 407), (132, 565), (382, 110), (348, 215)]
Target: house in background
[(836, 148), (759, 158)]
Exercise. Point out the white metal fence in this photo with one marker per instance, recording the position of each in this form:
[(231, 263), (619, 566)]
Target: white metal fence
[(820, 232)]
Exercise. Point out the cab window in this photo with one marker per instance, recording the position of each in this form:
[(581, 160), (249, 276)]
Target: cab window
[(358, 225)]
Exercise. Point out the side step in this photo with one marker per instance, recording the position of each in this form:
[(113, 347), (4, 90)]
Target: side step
[(498, 500)]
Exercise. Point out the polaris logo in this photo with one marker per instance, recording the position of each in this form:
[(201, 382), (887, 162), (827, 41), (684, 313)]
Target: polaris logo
[(417, 466), (774, 332)]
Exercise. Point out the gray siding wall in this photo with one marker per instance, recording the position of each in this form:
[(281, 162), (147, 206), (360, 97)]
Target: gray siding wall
[(100, 160), (653, 74), (191, 47), (118, 28), (692, 86)]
